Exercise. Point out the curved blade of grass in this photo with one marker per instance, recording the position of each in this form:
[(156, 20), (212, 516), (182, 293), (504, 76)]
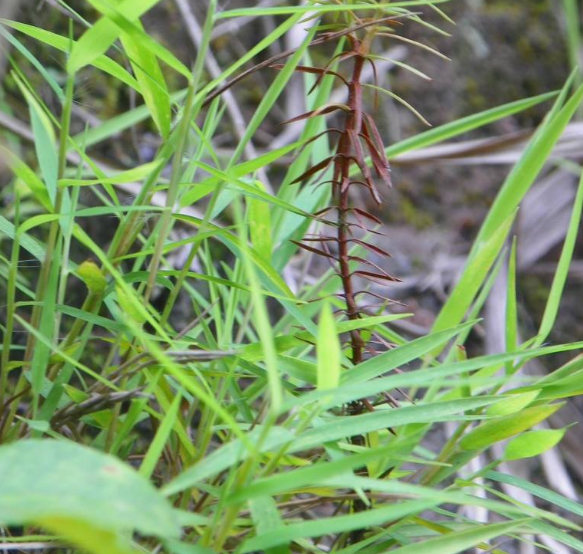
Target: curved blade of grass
[(527, 169), (495, 430), (458, 541), (562, 272), (137, 35), (338, 524), (538, 491), (399, 356), (134, 174), (63, 44), (349, 426), (160, 438), (320, 9), (493, 232), (152, 82), (227, 456), (262, 322), (27, 242), (104, 32), (44, 141), (401, 101), (328, 349), (36, 64), (472, 278), (465, 124)]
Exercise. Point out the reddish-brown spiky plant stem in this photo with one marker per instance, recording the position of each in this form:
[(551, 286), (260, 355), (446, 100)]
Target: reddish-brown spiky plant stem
[(343, 160)]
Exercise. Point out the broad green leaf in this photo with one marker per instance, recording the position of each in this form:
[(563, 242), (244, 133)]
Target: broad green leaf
[(533, 443), (152, 83), (266, 518), (44, 480), (328, 349), (87, 536), (44, 140), (491, 432), (512, 403)]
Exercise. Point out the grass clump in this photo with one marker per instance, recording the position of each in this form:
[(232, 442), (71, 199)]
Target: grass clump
[(266, 401)]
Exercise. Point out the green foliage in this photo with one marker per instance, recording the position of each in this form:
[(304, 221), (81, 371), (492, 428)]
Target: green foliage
[(251, 413), (81, 493)]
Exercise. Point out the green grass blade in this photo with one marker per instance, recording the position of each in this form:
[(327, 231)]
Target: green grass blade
[(328, 348), (538, 491), (102, 35), (465, 124), (562, 272), (401, 355), (459, 541), (472, 278), (160, 438), (338, 524), (63, 43)]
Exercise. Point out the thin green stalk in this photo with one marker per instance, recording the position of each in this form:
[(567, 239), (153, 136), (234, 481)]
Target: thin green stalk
[(55, 225), (191, 108), (10, 303), (573, 37)]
